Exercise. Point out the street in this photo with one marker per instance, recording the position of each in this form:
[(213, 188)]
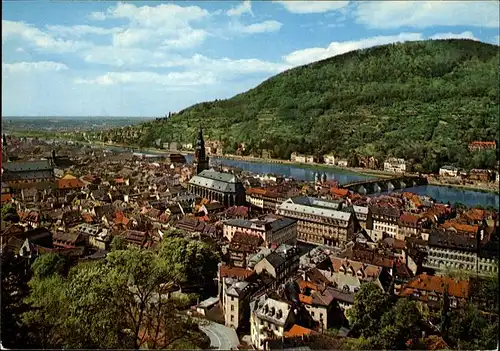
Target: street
[(221, 337)]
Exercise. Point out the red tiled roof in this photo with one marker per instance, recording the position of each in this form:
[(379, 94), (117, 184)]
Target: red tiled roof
[(456, 288), (6, 198), (461, 227), (408, 218), (305, 299), (235, 272), (70, 183), (339, 191), (87, 218), (296, 331), (121, 219)]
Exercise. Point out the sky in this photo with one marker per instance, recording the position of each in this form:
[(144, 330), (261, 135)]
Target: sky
[(93, 58)]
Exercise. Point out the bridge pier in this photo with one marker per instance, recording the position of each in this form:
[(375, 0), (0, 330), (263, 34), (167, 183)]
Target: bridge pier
[(383, 185)]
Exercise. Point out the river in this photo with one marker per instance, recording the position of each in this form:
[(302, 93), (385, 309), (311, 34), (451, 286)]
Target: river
[(439, 193)]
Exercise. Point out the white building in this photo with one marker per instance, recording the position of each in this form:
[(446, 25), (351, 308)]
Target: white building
[(319, 221), (235, 295), (272, 230), (269, 318), (329, 159), (342, 163), (448, 171), (448, 250), (396, 165), (295, 157)]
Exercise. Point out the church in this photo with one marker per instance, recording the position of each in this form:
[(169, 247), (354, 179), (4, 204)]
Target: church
[(225, 188)]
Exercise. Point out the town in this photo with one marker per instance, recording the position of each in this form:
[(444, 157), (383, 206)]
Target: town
[(257, 261)]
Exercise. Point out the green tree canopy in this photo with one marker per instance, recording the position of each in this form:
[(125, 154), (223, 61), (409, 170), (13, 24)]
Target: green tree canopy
[(120, 303)]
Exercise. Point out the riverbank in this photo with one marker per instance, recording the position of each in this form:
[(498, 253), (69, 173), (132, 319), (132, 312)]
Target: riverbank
[(357, 170), (484, 188), (493, 188)]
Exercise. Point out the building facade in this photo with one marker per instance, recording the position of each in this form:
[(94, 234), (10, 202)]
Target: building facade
[(271, 230), (225, 188), (448, 251), (269, 319), (395, 165), (27, 172), (448, 171), (384, 220), (318, 222)]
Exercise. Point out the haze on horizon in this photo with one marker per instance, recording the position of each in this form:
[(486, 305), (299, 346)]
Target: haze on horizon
[(149, 58)]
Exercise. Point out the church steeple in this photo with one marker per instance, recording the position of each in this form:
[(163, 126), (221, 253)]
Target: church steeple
[(200, 157)]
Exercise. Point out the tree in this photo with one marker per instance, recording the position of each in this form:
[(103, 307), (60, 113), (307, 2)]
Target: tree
[(370, 303), (118, 243), (192, 262), (121, 303), (9, 213), (48, 264), (399, 324), (472, 330), (14, 288)]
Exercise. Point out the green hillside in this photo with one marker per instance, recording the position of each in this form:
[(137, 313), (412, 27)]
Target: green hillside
[(423, 101)]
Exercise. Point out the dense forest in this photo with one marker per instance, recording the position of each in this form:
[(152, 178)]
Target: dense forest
[(422, 101)]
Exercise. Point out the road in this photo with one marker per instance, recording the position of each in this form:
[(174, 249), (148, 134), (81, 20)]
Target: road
[(221, 337)]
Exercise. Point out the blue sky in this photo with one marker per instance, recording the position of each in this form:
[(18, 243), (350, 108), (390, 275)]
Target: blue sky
[(149, 58)]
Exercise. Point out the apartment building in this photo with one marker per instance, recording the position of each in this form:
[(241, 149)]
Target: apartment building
[(395, 165), (384, 219), (320, 221), (451, 250), (269, 319), (431, 290), (264, 199), (273, 231)]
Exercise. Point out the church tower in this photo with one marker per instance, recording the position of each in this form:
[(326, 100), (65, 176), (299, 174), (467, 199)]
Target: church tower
[(200, 158)]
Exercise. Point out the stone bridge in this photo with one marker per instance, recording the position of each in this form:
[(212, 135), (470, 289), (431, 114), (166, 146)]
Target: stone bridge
[(376, 186)]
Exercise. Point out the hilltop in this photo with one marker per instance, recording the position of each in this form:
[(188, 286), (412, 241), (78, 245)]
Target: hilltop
[(423, 101)]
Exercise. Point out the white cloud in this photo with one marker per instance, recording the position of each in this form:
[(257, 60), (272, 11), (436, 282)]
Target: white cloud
[(81, 30), (262, 27), (172, 79), (169, 25), (188, 39), (423, 14), (301, 57), (97, 16), (305, 56), (463, 35), (29, 67), (157, 16), (40, 39), (312, 6), (226, 67), (244, 7), (122, 56)]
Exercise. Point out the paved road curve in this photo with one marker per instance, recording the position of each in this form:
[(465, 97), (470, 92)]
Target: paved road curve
[(221, 337)]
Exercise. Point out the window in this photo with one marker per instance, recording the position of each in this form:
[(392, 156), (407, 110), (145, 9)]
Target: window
[(232, 307), (232, 298), (321, 316), (232, 318), (312, 314)]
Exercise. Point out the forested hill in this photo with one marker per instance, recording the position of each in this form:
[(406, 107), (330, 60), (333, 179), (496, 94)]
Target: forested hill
[(423, 101)]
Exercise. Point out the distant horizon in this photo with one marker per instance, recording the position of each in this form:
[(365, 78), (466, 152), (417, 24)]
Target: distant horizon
[(95, 116)]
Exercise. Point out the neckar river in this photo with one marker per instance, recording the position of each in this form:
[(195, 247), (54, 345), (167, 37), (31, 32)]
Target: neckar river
[(439, 193)]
